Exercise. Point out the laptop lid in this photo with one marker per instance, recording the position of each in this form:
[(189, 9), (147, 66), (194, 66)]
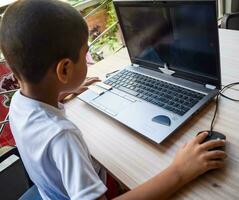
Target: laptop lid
[(182, 35)]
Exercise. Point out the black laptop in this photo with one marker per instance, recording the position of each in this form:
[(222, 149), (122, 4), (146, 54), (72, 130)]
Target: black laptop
[(175, 66)]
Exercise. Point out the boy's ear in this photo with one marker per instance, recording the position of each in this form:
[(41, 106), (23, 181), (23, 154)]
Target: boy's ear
[(64, 70)]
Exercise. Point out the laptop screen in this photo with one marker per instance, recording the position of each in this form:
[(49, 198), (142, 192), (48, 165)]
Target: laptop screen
[(181, 34)]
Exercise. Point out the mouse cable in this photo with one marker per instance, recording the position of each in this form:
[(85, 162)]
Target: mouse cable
[(227, 87), (220, 93)]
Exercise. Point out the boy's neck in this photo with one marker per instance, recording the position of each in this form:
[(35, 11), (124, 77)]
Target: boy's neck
[(40, 92)]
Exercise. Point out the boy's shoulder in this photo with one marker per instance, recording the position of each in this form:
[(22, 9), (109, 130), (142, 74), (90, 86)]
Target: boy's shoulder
[(37, 118)]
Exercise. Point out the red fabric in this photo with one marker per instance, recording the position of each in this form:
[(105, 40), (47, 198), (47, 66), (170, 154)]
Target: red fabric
[(114, 188), (7, 82)]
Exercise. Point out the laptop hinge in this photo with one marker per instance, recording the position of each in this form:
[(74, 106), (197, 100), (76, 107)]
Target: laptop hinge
[(166, 70), (211, 87), (134, 65)]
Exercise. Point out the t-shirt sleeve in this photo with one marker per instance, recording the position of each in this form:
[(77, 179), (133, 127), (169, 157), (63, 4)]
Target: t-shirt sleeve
[(78, 175)]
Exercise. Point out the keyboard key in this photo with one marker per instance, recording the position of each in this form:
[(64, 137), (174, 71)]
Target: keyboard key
[(160, 104), (128, 91)]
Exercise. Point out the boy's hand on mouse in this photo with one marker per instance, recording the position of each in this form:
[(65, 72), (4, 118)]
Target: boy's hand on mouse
[(194, 159)]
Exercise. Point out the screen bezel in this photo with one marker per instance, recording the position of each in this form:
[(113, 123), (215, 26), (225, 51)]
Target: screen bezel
[(195, 77)]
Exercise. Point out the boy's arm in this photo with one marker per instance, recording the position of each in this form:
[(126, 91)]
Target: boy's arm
[(192, 160), (69, 154), (159, 187)]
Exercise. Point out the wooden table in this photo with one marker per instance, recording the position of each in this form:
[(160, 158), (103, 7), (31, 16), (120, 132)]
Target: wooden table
[(133, 160)]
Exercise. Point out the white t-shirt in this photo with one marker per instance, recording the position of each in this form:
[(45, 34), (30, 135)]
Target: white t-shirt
[(53, 151)]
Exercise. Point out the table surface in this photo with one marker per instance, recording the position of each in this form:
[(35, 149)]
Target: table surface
[(133, 160)]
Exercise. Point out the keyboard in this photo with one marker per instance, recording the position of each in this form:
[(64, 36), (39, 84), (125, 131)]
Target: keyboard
[(171, 97)]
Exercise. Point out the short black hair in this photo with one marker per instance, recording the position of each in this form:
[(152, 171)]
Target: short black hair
[(36, 34)]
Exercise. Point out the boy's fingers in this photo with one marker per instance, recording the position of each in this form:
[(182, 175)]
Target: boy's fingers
[(214, 164), (213, 144), (92, 78), (184, 145), (217, 154), (80, 90), (83, 89), (199, 138), (90, 81)]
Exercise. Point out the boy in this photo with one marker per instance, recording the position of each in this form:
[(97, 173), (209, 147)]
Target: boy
[(45, 44)]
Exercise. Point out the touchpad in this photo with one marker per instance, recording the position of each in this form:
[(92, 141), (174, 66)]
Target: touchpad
[(111, 102)]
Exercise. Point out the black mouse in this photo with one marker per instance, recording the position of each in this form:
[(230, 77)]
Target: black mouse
[(214, 135)]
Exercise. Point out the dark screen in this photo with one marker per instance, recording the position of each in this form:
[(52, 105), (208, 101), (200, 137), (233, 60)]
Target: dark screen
[(184, 36)]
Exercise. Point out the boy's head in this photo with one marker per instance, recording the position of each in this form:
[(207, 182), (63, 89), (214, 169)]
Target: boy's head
[(38, 36)]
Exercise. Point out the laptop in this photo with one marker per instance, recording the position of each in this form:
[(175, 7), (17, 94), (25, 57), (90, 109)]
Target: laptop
[(174, 71)]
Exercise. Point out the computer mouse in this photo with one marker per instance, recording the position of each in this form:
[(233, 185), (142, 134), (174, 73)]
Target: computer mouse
[(214, 135)]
